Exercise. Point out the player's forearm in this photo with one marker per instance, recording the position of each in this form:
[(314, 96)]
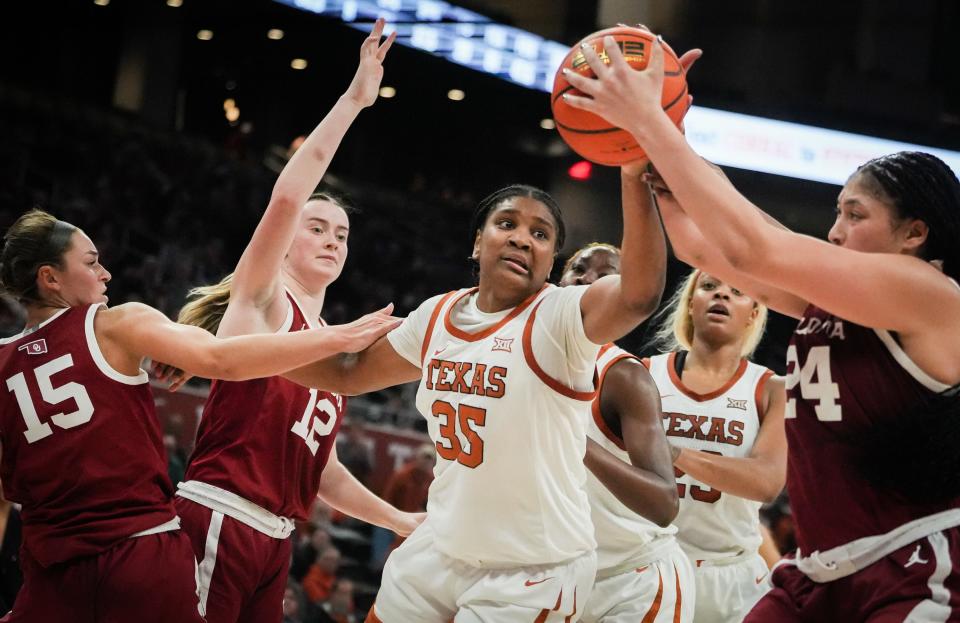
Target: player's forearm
[(305, 169), (340, 490), (640, 490), (256, 356), (751, 478), (643, 249), (725, 217)]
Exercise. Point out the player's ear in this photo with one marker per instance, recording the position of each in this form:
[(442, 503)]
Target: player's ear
[(48, 279), (476, 247)]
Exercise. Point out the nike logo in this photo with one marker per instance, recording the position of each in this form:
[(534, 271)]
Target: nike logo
[(531, 582), (760, 579), (440, 350), (643, 568)]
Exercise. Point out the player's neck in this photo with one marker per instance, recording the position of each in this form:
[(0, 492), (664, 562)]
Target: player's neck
[(311, 301), (38, 314), (718, 361)]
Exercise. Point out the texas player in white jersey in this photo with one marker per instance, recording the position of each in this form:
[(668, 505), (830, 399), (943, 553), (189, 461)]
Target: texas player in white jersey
[(723, 416), (642, 574), (506, 375)]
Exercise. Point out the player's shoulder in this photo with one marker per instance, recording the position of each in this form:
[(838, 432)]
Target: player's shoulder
[(436, 301), (627, 369), (556, 294), (110, 321), (125, 312)]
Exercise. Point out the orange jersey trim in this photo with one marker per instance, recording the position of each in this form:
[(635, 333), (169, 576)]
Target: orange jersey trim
[(677, 608), (654, 610), (675, 378), (433, 321), (758, 395), (551, 382), (595, 406), (474, 337)]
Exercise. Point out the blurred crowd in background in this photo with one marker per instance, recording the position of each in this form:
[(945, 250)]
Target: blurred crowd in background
[(169, 212)]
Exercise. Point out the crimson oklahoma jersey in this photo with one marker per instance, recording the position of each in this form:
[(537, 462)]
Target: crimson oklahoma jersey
[(267, 440), (843, 379), (82, 447)]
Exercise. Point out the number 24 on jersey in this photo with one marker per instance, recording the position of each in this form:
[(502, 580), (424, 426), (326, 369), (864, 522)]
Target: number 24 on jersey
[(823, 393)]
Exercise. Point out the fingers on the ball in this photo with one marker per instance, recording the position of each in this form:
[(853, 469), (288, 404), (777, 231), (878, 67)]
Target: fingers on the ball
[(656, 56), (689, 58), (580, 82), (578, 101), (613, 52), (593, 59)]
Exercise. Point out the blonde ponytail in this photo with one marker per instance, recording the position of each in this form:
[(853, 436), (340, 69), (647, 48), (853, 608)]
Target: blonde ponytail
[(206, 305)]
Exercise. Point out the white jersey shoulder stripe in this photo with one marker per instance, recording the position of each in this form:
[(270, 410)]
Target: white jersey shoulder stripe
[(98, 357), (24, 333), (908, 364)]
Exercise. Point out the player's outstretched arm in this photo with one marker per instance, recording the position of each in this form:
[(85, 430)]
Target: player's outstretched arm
[(760, 476), (256, 280), (691, 247), (853, 285), (340, 490), (376, 367), (646, 485), (614, 305), (129, 332)]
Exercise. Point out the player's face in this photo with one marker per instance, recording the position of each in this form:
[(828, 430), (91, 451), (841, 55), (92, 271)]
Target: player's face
[(864, 222), (517, 245), (319, 248), (720, 311), (83, 280), (590, 265)]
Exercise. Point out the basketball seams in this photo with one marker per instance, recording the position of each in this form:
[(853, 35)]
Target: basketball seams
[(600, 142)]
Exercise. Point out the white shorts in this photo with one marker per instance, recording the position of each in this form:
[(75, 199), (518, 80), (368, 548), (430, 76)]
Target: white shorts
[(422, 585), (728, 589), (657, 589)]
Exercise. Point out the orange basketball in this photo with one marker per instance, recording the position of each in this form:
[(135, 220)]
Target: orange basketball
[(591, 136)]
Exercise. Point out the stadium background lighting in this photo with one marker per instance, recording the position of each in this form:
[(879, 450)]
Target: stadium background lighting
[(754, 143)]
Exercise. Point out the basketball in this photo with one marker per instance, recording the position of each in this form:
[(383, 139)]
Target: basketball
[(588, 134)]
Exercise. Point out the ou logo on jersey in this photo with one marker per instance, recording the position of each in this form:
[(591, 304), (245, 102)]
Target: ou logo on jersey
[(319, 419)]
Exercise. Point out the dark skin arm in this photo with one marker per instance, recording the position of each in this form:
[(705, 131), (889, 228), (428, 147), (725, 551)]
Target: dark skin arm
[(646, 485)]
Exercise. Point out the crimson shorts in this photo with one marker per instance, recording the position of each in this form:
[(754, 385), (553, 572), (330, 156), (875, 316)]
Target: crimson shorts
[(146, 579), (919, 583), (242, 572)]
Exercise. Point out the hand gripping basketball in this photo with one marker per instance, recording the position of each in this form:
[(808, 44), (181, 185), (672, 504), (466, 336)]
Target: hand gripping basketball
[(594, 96)]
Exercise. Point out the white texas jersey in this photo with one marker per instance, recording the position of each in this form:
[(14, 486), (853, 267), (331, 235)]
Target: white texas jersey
[(507, 399), (622, 535), (712, 524)]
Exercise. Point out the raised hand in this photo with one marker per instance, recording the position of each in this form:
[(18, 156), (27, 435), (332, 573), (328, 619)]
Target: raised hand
[(687, 59), (366, 330), (365, 85)]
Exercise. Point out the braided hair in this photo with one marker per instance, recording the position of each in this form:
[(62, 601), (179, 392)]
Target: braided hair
[(921, 186)]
